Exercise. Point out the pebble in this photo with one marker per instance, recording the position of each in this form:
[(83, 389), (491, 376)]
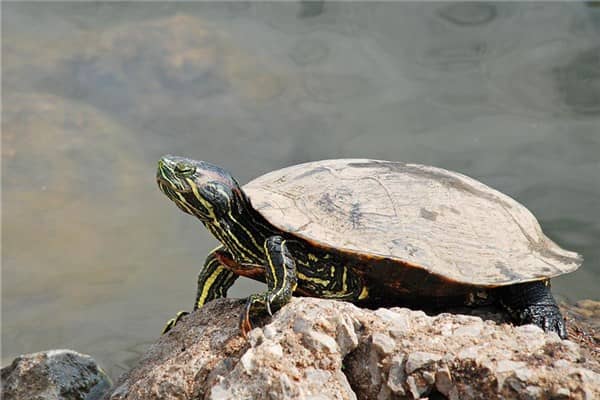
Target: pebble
[(247, 361), (269, 332), (419, 359), (396, 376), (318, 341), (396, 319), (346, 335), (273, 350), (383, 343), (302, 325), (534, 392)]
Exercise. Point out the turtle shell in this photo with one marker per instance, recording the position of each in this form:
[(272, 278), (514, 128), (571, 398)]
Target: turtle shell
[(422, 216)]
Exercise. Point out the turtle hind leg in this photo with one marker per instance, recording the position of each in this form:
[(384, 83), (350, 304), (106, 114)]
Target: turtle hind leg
[(532, 303)]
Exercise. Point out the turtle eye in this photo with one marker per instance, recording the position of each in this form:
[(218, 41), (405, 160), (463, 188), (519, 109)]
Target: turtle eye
[(184, 168)]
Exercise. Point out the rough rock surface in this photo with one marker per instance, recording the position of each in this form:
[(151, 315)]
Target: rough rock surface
[(54, 375), (321, 349), (583, 324)]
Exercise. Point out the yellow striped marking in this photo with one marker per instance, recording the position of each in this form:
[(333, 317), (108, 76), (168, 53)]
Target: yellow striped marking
[(245, 230), (364, 293), (270, 264), (319, 281), (207, 286)]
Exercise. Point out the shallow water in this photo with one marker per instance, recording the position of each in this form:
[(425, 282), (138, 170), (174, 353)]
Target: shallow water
[(96, 259)]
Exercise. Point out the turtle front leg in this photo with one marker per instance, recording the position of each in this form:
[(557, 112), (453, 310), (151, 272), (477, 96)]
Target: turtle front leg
[(532, 303), (280, 274), (213, 282)]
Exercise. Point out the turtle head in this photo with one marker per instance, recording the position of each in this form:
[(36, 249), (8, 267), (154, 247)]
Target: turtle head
[(199, 188)]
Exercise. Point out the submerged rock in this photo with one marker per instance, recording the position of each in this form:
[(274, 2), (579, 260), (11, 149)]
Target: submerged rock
[(54, 375), (322, 349)]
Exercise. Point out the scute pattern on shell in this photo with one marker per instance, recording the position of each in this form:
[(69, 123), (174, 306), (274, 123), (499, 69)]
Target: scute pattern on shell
[(443, 221)]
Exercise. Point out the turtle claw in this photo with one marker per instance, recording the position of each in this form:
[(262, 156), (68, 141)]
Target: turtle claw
[(260, 299), (546, 317), (554, 324), (245, 326), (268, 303), (173, 321)]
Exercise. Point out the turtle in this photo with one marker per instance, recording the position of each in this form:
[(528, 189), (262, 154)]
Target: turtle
[(372, 232)]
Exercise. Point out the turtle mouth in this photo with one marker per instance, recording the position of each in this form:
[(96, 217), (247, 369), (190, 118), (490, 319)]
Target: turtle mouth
[(170, 190), (167, 186), (181, 199)]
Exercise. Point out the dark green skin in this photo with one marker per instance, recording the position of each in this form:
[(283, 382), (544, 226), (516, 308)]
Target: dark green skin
[(289, 265)]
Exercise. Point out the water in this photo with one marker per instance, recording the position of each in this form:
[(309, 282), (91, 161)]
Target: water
[(96, 259)]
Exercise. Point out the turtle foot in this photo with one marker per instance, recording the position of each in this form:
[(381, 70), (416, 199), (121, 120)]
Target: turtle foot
[(547, 317), (259, 304), (173, 321), (532, 303)]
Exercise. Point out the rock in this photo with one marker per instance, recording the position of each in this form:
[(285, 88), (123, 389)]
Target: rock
[(419, 359), (443, 381), (583, 326), (323, 349), (54, 375)]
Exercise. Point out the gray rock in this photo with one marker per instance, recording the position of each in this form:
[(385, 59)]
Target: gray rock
[(54, 375), (322, 349)]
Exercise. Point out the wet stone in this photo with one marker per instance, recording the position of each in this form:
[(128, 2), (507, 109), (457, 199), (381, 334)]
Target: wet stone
[(54, 375)]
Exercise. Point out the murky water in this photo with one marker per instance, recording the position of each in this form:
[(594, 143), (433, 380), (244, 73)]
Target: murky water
[(96, 259)]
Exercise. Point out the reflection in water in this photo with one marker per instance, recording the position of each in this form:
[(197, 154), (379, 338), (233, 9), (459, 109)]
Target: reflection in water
[(310, 8), (95, 259), (578, 82), (559, 78), (309, 51), (466, 13)]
